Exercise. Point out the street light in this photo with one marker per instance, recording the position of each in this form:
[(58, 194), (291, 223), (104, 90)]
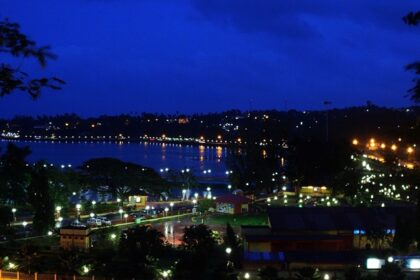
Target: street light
[(121, 211), (92, 215), (166, 211), (171, 205), (228, 250), (125, 217), (14, 213), (247, 275), (24, 224), (78, 207)]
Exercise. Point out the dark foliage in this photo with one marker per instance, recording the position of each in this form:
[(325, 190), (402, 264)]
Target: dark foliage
[(17, 44)]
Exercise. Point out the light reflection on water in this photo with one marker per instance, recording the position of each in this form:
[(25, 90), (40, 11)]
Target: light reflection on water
[(155, 155)]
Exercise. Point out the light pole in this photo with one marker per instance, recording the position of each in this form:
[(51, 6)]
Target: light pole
[(228, 251), (166, 211), (78, 207), (172, 206), (14, 214), (58, 210), (121, 211), (24, 224), (147, 209), (125, 217)]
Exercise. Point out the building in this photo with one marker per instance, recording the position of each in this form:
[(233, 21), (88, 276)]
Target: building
[(232, 204), (138, 199), (334, 232), (75, 237), (315, 190)]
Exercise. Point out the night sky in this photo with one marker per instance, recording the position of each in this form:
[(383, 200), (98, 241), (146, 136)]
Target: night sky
[(128, 56)]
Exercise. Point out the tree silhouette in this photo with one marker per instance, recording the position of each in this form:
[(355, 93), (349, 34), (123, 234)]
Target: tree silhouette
[(40, 200), (413, 18), (16, 44)]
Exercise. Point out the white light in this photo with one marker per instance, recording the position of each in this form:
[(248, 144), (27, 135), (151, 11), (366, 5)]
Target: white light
[(374, 263), (326, 276), (413, 264), (247, 276), (92, 215), (228, 250), (390, 259), (49, 233)]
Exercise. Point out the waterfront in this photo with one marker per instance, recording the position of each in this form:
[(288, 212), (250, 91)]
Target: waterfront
[(156, 155)]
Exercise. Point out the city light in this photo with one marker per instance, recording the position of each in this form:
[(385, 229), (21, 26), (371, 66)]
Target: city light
[(413, 264), (374, 263), (228, 250)]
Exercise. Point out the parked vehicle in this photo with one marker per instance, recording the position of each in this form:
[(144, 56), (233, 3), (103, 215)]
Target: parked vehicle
[(105, 221)]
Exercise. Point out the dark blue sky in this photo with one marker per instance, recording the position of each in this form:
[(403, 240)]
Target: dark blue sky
[(211, 55)]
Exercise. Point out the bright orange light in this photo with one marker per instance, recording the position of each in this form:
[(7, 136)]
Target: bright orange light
[(394, 147), (239, 140), (410, 150), (410, 166), (383, 146), (219, 137), (372, 140), (355, 142)]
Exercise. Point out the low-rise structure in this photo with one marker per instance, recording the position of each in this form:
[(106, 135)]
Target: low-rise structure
[(301, 232), (232, 204), (138, 199), (75, 237)]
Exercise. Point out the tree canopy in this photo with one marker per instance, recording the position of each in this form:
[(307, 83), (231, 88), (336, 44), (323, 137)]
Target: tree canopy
[(18, 45)]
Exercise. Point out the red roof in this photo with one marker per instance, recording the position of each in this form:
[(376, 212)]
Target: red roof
[(233, 199)]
